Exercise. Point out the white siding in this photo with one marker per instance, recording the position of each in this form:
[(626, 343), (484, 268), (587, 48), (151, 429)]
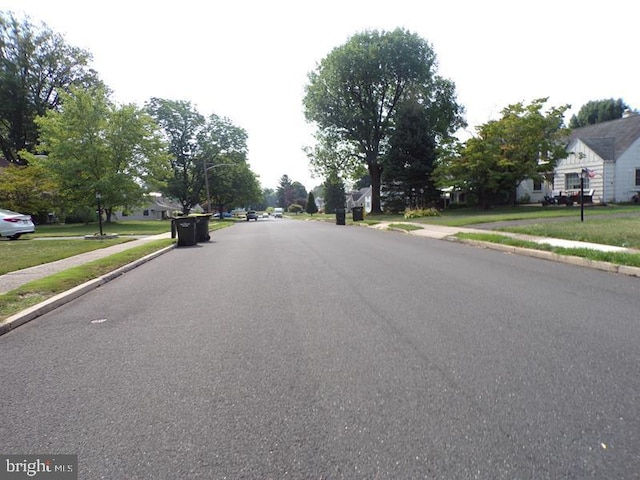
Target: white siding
[(625, 173), (581, 157), (609, 180), (535, 196)]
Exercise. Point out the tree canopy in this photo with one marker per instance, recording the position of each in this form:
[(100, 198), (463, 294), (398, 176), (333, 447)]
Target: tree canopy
[(334, 193), (354, 94), (183, 127), (525, 143), (311, 204), (36, 67), (205, 151), (224, 154), (410, 160), (290, 192), (597, 111), (96, 147)]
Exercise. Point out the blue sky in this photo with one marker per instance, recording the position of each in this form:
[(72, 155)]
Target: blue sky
[(248, 60)]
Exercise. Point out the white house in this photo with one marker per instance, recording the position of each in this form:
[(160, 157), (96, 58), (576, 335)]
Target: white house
[(611, 152), (359, 198), (156, 208)]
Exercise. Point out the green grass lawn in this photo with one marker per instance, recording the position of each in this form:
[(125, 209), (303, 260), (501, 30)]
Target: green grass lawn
[(20, 254), (618, 258), (405, 226), (25, 253), (619, 231), (467, 216), (142, 227)]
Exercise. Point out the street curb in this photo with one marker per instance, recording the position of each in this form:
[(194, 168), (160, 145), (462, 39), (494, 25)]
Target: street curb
[(555, 257), (56, 301)]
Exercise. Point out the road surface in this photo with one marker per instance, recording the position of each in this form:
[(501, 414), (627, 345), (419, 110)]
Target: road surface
[(307, 350)]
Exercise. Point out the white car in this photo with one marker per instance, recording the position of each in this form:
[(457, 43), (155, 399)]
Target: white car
[(13, 224)]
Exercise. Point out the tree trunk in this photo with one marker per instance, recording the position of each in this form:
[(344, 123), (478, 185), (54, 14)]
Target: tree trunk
[(375, 172)]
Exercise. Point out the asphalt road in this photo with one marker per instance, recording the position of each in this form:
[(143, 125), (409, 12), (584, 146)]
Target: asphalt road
[(304, 350)]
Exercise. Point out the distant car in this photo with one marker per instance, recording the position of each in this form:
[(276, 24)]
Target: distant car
[(265, 215), (252, 215), (13, 224), (278, 212), (224, 215)]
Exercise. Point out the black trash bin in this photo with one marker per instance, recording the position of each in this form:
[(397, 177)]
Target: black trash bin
[(358, 214), (341, 216), (186, 230), (202, 227)]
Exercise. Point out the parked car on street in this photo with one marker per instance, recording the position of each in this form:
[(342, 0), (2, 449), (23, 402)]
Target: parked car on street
[(252, 215), (13, 224)]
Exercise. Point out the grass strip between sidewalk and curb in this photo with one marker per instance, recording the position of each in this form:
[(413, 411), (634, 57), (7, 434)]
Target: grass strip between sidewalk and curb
[(404, 226), (38, 291), (617, 258)]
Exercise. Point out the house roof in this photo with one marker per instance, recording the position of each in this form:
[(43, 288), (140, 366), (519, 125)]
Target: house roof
[(357, 195), (609, 139)]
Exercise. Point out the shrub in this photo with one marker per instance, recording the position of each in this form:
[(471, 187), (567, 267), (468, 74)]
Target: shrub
[(295, 208), (424, 212)]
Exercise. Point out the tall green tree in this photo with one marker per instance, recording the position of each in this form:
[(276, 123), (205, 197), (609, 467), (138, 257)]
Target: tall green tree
[(299, 194), (270, 197), (597, 111), (183, 129), (354, 94), (334, 193), (234, 185), (36, 67), (223, 152), (410, 159), (284, 192), (311, 204), (96, 147), (525, 143)]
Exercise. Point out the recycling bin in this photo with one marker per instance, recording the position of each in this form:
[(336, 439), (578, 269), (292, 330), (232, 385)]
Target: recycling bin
[(358, 214), (185, 227), (202, 227), (341, 216)]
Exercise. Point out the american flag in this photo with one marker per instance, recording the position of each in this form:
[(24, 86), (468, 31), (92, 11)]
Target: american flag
[(590, 173)]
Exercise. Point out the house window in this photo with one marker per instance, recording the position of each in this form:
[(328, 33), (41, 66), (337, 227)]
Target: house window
[(537, 185), (145, 213), (572, 181), (637, 177)]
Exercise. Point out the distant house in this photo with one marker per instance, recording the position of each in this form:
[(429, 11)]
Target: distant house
[(359, 198), (611, 152), (157, 208)]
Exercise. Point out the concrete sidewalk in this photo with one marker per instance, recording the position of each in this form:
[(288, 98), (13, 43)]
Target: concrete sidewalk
[(16, 279)]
